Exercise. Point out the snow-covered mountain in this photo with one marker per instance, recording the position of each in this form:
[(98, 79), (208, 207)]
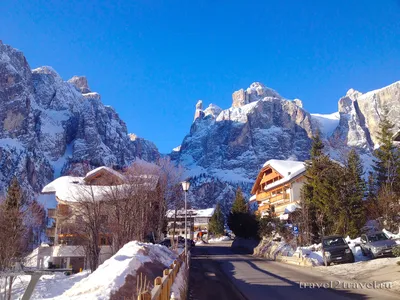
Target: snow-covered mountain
[(49, 126), (226, 148)]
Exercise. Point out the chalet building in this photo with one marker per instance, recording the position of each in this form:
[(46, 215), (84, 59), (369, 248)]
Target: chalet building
[(278, 186), (197, 221), (65, 248)]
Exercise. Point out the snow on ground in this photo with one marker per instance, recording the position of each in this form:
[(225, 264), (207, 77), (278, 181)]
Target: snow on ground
[(219, 240), (48, 286), (314, 252), (380, 269), (179, 282), (353, 270), (110, 276)]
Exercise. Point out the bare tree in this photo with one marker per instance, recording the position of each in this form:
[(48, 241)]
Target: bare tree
[(85, 220)]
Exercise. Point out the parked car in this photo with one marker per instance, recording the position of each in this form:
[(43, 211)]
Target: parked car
[(166, 242), (336, 250), (376, 244), (181, 242)]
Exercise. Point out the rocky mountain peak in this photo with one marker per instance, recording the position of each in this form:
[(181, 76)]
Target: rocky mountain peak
[(298, 102), (212, 110), (49, 127), (199, 114), (255, 92), (81, 83)]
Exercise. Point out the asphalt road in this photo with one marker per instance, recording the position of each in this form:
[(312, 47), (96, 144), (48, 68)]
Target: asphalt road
[(218, 273)]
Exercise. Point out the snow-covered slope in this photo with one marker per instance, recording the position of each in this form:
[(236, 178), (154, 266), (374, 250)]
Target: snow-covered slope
[(326, 123), (49, 126)]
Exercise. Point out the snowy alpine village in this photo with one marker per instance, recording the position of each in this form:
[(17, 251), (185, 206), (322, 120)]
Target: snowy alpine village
[(121, 184)]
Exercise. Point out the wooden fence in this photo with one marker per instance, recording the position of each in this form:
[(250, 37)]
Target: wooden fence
[(162, 285)]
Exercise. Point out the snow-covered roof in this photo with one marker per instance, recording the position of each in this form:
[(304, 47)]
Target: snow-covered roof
[(208, 212), (60, 183), (104, 168), (72, 189), (289, 169)]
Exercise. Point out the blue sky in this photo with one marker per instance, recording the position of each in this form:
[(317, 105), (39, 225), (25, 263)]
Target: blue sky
[(152, 60)]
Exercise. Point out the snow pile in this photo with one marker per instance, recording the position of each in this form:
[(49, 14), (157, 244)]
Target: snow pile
[(271, 249), (30, 260), (180, 282), (110, 276), (392, 235), (220, 239), (48, 287)]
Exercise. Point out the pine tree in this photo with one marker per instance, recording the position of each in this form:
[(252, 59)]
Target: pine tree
[(317, 146), (387, 160), (240, 221), (311, 191), (355, 190), (217, 222), (239, 205), (387, 169)]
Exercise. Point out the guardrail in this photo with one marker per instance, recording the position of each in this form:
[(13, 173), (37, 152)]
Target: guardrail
[(162, 285)]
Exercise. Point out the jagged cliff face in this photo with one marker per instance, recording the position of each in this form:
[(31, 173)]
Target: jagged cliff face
[(226, 148), (360, 115), (49, 126), (229, 146)]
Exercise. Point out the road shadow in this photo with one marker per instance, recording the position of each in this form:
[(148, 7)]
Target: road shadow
[(248, 281)]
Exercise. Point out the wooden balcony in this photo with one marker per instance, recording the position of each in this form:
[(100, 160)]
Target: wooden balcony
[(262, 196), (270, 177), (279, 197)]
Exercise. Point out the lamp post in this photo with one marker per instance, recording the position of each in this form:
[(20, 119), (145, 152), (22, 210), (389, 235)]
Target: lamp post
[(185, 187)]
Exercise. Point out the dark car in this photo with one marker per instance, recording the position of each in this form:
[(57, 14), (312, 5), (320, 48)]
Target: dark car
[(336, 250), (376, 244), (166, 242), (181, 242)]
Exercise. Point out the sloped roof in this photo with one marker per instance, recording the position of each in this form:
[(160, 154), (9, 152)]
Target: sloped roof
[(288, 169), (94, 172), (284, 167), (71, 189)]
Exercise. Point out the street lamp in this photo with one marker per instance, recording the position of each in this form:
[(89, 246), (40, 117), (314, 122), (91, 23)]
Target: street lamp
[(185, 187)]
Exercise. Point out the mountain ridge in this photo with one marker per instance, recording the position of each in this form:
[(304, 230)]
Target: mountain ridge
[(50, 127)]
